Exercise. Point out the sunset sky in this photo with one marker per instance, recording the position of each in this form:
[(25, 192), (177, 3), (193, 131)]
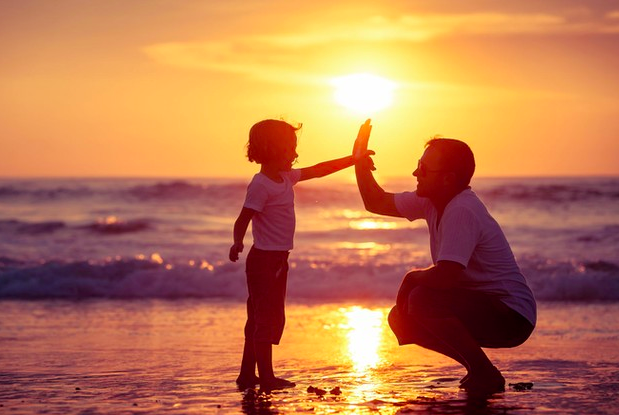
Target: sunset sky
[(171, 87)]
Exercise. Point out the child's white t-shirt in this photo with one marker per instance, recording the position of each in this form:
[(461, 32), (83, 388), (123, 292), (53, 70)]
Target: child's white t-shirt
[(469, 235), (274, 222)]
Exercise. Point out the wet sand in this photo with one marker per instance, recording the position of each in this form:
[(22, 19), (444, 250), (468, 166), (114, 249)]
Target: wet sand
[(126, 357)]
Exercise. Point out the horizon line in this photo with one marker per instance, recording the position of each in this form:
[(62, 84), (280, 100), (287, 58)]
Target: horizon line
[(391, 176)]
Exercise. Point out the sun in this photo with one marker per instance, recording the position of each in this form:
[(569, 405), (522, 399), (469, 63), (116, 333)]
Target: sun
[(363, 92)]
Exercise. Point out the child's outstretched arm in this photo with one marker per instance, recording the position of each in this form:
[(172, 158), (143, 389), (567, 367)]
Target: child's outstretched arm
[(240, 228), (326, 167), (360, 152)]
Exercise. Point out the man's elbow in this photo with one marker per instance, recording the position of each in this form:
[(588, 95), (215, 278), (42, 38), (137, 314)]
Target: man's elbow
[(372, 207), (381, 204), (369, 203), (377, 207), (450, 273)]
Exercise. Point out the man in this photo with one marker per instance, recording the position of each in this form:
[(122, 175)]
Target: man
[(474, 295)]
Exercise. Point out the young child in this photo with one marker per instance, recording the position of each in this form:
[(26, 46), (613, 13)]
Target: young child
[(269, 205)]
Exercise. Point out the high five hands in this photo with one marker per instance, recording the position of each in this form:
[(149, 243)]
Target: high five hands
[(360, 152)]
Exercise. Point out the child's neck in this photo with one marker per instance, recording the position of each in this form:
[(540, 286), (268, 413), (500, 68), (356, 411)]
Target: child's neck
[(272, 172)]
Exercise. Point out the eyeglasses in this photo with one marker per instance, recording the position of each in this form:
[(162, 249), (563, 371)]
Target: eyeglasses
[(422, 170)]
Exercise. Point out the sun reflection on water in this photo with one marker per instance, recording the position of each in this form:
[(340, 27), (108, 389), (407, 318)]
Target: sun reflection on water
[(371, 246), (364, 336), (370, 224)]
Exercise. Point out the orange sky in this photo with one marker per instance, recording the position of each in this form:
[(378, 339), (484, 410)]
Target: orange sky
[(170, 88)]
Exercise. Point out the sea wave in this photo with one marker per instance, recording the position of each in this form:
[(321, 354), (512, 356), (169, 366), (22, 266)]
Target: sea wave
[(607, 234), (309, 280), (573, 280), (109, 225), (68, 191), (31, 228), (121, 278), (177, 189), (555, 190)]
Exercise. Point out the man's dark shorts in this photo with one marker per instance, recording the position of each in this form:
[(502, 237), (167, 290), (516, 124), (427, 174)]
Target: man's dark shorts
[(267, 274), (487, 318)]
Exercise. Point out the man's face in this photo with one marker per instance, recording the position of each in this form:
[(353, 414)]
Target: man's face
[(430, 173)]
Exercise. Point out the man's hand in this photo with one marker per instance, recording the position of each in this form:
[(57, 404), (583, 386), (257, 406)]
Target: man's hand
[(360, 149), (235, 250), (407, 285)]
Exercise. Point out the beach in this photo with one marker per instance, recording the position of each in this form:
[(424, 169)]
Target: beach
[(159, 356), (149, 146)]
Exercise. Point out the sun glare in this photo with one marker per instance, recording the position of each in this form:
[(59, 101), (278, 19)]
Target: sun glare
[(364, 336), (365, 224), (364, 93)]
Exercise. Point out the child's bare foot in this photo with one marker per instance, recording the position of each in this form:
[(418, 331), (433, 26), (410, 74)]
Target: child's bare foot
[(245, 382), (276, 384)]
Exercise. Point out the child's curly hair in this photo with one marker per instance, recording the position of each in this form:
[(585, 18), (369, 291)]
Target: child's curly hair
[(268, 139)]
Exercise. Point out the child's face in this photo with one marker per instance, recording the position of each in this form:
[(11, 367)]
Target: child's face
[(288, 156)]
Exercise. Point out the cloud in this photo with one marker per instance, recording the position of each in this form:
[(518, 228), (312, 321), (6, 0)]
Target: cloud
[(614, 14), (270, 56), (613, 26), (245, 56), (420, 28)]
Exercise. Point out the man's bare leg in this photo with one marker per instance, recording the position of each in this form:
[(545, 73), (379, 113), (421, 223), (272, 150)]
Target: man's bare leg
[(483, 376), (420, 336)]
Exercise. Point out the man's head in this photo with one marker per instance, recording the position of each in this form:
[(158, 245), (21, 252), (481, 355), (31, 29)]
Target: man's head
[(446, 165)]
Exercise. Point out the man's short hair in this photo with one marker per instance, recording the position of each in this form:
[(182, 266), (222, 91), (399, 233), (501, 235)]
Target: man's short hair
[(457, 157)]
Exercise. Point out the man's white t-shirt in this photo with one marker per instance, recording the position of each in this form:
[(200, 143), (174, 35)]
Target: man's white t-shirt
[(468, 235), (274, 222)]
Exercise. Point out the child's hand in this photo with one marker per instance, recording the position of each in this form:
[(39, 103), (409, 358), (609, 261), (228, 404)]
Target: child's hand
[(235, 250), (360, 149), (366, 160)]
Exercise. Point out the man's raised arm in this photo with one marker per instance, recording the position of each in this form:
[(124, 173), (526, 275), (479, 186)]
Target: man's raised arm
[(375, 199)]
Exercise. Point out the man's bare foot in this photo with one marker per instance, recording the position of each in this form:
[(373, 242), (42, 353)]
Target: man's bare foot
[(484, 383), (276, 384), (244, 382)]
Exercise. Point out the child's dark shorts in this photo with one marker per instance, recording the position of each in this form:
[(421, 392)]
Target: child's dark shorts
[(267, 274)]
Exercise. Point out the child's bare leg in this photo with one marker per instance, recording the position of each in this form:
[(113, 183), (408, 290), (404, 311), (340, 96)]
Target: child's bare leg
[(247, 378), (264, 360)]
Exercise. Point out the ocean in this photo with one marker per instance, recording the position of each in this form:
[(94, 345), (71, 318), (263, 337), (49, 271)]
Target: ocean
[(117, 297), (169, 238)]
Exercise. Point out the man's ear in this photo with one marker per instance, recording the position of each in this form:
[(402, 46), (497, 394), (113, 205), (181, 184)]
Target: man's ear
[(450, 178)]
